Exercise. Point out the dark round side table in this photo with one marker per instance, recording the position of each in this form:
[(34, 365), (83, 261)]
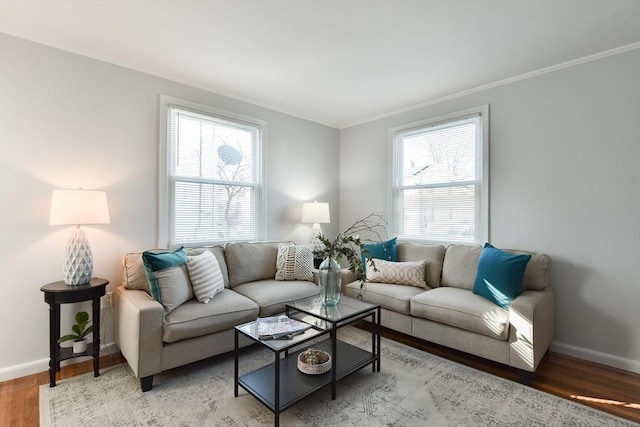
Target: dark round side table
[(57, 293)]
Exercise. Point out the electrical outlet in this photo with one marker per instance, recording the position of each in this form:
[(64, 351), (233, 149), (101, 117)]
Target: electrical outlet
[(107, 300)]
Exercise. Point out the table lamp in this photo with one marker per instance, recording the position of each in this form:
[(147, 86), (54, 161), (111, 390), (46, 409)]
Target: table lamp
[(78, 207), (316, 213)]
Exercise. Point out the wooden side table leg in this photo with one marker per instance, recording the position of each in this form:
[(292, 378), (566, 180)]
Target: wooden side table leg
[(54, 334), (96, 335)]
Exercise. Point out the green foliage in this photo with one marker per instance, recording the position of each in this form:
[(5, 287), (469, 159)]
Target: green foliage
[(348, 244), (80, 328)]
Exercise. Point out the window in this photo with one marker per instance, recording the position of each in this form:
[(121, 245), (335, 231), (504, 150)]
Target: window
[(440, 179), (211, 176)]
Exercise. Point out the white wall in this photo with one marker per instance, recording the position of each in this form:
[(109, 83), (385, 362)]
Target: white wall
[(68, 121), (565, 180), (565, 174)]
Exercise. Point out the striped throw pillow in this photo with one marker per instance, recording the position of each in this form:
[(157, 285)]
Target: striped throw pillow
[(206, 277)]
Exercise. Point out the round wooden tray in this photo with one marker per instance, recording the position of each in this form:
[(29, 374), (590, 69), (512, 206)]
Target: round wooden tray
[(314, 362)]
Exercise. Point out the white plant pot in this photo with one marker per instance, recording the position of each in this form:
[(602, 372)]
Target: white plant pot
[(80, 346)]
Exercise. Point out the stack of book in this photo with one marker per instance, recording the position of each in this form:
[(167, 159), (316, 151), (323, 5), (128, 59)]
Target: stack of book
[(279, 327)]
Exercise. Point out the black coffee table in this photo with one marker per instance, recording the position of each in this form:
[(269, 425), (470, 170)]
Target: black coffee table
[(280, 384)]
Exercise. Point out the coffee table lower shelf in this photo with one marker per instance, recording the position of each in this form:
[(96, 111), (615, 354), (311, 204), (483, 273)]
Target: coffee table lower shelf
[(294, 384)]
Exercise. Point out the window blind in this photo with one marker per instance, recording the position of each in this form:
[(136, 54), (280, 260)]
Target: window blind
[(213, 168), (438, 189)]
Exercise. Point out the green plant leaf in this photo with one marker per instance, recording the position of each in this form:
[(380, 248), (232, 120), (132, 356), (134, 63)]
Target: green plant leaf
[(67, 338), (82, 317), (87, 331), (77, 330)]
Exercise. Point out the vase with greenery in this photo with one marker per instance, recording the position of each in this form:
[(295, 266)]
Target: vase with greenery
[(81, 329), (348, 246)]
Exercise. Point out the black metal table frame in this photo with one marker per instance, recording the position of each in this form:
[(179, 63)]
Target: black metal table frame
[(331, 328)]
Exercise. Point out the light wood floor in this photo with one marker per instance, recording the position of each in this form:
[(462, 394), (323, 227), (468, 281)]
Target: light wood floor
[(604, 388)]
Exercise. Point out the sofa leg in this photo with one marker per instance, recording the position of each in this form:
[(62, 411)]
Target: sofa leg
[(525, 377), (146, 383)]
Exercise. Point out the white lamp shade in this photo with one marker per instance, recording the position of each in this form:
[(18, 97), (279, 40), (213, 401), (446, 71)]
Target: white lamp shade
[(79, 207), (316, 213)]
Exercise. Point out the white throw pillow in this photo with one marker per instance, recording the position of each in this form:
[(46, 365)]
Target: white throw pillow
[(206, 277), (294, 262), (174, 285), (397, 273)]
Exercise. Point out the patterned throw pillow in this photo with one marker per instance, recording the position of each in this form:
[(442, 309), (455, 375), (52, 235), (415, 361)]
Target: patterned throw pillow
[(294, 262), (398, 273), (206, 276)]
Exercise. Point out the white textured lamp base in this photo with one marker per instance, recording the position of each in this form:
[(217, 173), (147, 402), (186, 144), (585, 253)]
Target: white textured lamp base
[(314, 239), (78, 261)]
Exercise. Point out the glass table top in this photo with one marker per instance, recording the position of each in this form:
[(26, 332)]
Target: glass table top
[(346, 308), (320, 317)]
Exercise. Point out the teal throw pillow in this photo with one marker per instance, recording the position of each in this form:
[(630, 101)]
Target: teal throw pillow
[(158, 261), (381, 250), (499, 275)]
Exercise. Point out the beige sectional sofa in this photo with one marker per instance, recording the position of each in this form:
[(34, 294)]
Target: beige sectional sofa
[(447, 312), (153, 341)]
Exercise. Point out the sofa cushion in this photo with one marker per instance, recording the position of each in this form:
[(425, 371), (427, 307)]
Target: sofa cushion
[(499, 276), (205, 275), (218, 252), (463, 309), (536, 276), (294, 262), (272, 295), (460, 266), (168, 277), (133, 274), (433, 254), (251, 261), (392, 297), (193, 319), (380, 250), (398, 273)]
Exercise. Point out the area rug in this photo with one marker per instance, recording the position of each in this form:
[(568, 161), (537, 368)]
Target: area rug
[(414, 388)]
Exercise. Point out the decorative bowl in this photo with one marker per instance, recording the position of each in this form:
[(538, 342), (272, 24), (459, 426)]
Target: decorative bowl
[(314, 362)]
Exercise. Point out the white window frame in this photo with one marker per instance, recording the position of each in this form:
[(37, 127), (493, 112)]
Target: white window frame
[(482, 171), (164, 188)]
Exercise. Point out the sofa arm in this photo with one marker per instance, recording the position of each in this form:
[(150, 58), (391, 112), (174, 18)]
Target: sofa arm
[(139, 330), (532, 323)]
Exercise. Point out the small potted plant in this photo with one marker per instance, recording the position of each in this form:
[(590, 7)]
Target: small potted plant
[(81, 329)]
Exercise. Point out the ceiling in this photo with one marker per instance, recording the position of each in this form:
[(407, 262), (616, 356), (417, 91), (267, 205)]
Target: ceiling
[(334, 62)]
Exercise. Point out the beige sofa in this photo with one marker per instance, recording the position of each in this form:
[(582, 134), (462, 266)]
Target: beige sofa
[(447, 312), (153, 341)]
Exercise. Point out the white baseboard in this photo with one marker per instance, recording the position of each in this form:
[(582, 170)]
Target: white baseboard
[(597, 357), (41, 365)]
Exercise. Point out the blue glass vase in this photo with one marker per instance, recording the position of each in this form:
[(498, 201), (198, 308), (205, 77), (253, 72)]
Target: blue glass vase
[(329, 281)]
